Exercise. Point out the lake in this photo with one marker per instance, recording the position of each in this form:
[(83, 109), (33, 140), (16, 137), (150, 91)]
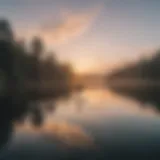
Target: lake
[(94, 124)]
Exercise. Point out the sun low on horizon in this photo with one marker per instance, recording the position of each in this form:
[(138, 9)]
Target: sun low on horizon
[(94, 35)]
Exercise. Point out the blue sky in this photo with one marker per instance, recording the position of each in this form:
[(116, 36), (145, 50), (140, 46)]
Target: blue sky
[(95, 35)]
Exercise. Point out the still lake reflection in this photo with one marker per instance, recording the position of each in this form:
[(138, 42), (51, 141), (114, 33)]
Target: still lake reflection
[(94, 124)]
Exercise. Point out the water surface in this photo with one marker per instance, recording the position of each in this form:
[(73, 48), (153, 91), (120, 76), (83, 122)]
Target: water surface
[(94, 124)]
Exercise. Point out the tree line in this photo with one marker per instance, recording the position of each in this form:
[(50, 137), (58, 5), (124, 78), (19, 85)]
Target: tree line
[(146, 69), (31, 73)]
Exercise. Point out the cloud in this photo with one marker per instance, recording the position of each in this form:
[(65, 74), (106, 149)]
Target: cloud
[(70, 25)]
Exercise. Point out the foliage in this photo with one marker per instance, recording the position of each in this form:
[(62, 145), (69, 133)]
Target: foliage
[(28, 71)]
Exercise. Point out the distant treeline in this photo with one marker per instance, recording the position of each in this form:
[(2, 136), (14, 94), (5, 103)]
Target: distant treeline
[(144, 69), (33, 73)]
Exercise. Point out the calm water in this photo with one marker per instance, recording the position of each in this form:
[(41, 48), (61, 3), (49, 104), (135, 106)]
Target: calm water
[(95, 124)]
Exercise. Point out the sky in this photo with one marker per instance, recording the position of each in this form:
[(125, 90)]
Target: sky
[(94, 35)]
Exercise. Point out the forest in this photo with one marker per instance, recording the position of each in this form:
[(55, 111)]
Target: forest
[(29, 72)]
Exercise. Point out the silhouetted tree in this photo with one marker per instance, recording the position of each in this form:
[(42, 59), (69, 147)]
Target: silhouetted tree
[(37, 46)]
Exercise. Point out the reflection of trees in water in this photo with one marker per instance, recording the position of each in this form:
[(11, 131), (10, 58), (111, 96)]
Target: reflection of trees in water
[(5, 121), (150, 95), (19, 111), (37, 117), (39, 109)]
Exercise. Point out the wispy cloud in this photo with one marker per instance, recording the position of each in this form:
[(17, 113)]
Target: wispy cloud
[(69, 26)]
